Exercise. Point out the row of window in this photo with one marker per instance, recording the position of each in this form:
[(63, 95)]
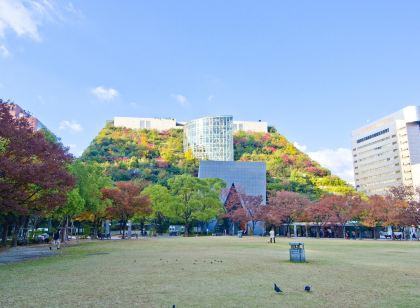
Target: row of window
[(373, 135)]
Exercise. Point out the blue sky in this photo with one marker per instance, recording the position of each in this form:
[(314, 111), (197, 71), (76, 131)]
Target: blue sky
[(314, 69)]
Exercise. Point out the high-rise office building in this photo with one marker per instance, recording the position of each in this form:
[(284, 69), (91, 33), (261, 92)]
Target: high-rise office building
[(386, 152), (210, 138)]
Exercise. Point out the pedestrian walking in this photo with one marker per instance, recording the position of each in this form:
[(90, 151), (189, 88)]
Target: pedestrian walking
[(272, 236), (56, 239)]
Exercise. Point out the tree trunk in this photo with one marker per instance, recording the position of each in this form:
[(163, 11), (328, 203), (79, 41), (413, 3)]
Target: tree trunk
[(186, 227), (344, 231), (65, 229), (15, 232), (317, 231), (124, 224), (5, 233), (374, 233), (142, 227)]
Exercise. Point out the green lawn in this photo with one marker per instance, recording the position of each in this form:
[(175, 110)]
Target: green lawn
[(217, 272)]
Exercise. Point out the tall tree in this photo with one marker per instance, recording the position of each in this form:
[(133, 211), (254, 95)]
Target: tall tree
[(160, 199), (91, 179), (285, 207), (342, 208), (33, 171), (195, 199), (372, 213), (127, 201)]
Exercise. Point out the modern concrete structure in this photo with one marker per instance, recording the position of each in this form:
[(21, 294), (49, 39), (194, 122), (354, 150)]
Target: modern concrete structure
[(159, 124), (386, 153), (248, 126), (210, 138), (247, 177), (167, 123)]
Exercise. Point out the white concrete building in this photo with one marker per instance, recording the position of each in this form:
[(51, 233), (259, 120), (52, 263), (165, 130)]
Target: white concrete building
[(386, 153), (159, 124), (248, 126)]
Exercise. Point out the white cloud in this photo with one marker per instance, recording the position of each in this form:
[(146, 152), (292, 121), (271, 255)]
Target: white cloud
[(4, 52), (300, 147), (104, 94), (339, 161), (24, 17), (181, 99), (72, 126)]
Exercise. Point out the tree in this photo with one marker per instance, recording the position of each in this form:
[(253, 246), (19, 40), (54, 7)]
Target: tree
[(318, 213), (233, 208), (160, 199), (34, 178), (285, 207), (195, 199), (90, 180), (74, 206), (342, 208), (404, 201), (254, 209), (372, 212), (127, 201), (242, 208)]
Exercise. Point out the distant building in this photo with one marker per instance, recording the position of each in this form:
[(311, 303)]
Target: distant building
[(247, 177), (18, 112), (210, 138), (248, 126), (386, 152), (159, 124)]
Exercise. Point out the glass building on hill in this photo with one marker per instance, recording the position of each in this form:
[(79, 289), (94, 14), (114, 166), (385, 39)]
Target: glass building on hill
[(210, 138)]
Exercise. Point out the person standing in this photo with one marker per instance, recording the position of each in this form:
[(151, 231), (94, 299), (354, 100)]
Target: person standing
[(272, 236), (56, 238)]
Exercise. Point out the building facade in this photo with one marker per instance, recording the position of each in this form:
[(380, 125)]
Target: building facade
[(247, 177), (159, 124), (386, 153), (248, 126), (18, 112), (210, 138)]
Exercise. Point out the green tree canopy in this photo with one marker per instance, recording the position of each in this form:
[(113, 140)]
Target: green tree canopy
[(195, 199)]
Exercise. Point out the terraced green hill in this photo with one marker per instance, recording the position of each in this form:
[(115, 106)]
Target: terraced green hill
[(156, 156)]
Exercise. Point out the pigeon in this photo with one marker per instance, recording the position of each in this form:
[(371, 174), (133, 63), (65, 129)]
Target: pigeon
[(173, 306), (277, 289), (308, 288)]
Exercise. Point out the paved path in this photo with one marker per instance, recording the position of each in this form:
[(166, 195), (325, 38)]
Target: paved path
[(19, 254)]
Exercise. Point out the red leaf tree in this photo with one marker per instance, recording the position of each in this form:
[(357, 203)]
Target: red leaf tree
[(127, 201), (341, 208), (33, 172), (242, 208), (284, 207)]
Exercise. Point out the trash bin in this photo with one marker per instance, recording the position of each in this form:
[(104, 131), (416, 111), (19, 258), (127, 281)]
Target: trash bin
[(297, 252), (240, 234)]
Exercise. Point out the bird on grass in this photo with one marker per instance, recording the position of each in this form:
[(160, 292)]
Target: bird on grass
[(277, 289), (307, 288)]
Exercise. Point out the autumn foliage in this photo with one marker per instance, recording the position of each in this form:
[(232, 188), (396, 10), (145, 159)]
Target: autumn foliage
[(126, 201), (34, 179)]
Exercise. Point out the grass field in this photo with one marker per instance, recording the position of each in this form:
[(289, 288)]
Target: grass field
[(217, 272)]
